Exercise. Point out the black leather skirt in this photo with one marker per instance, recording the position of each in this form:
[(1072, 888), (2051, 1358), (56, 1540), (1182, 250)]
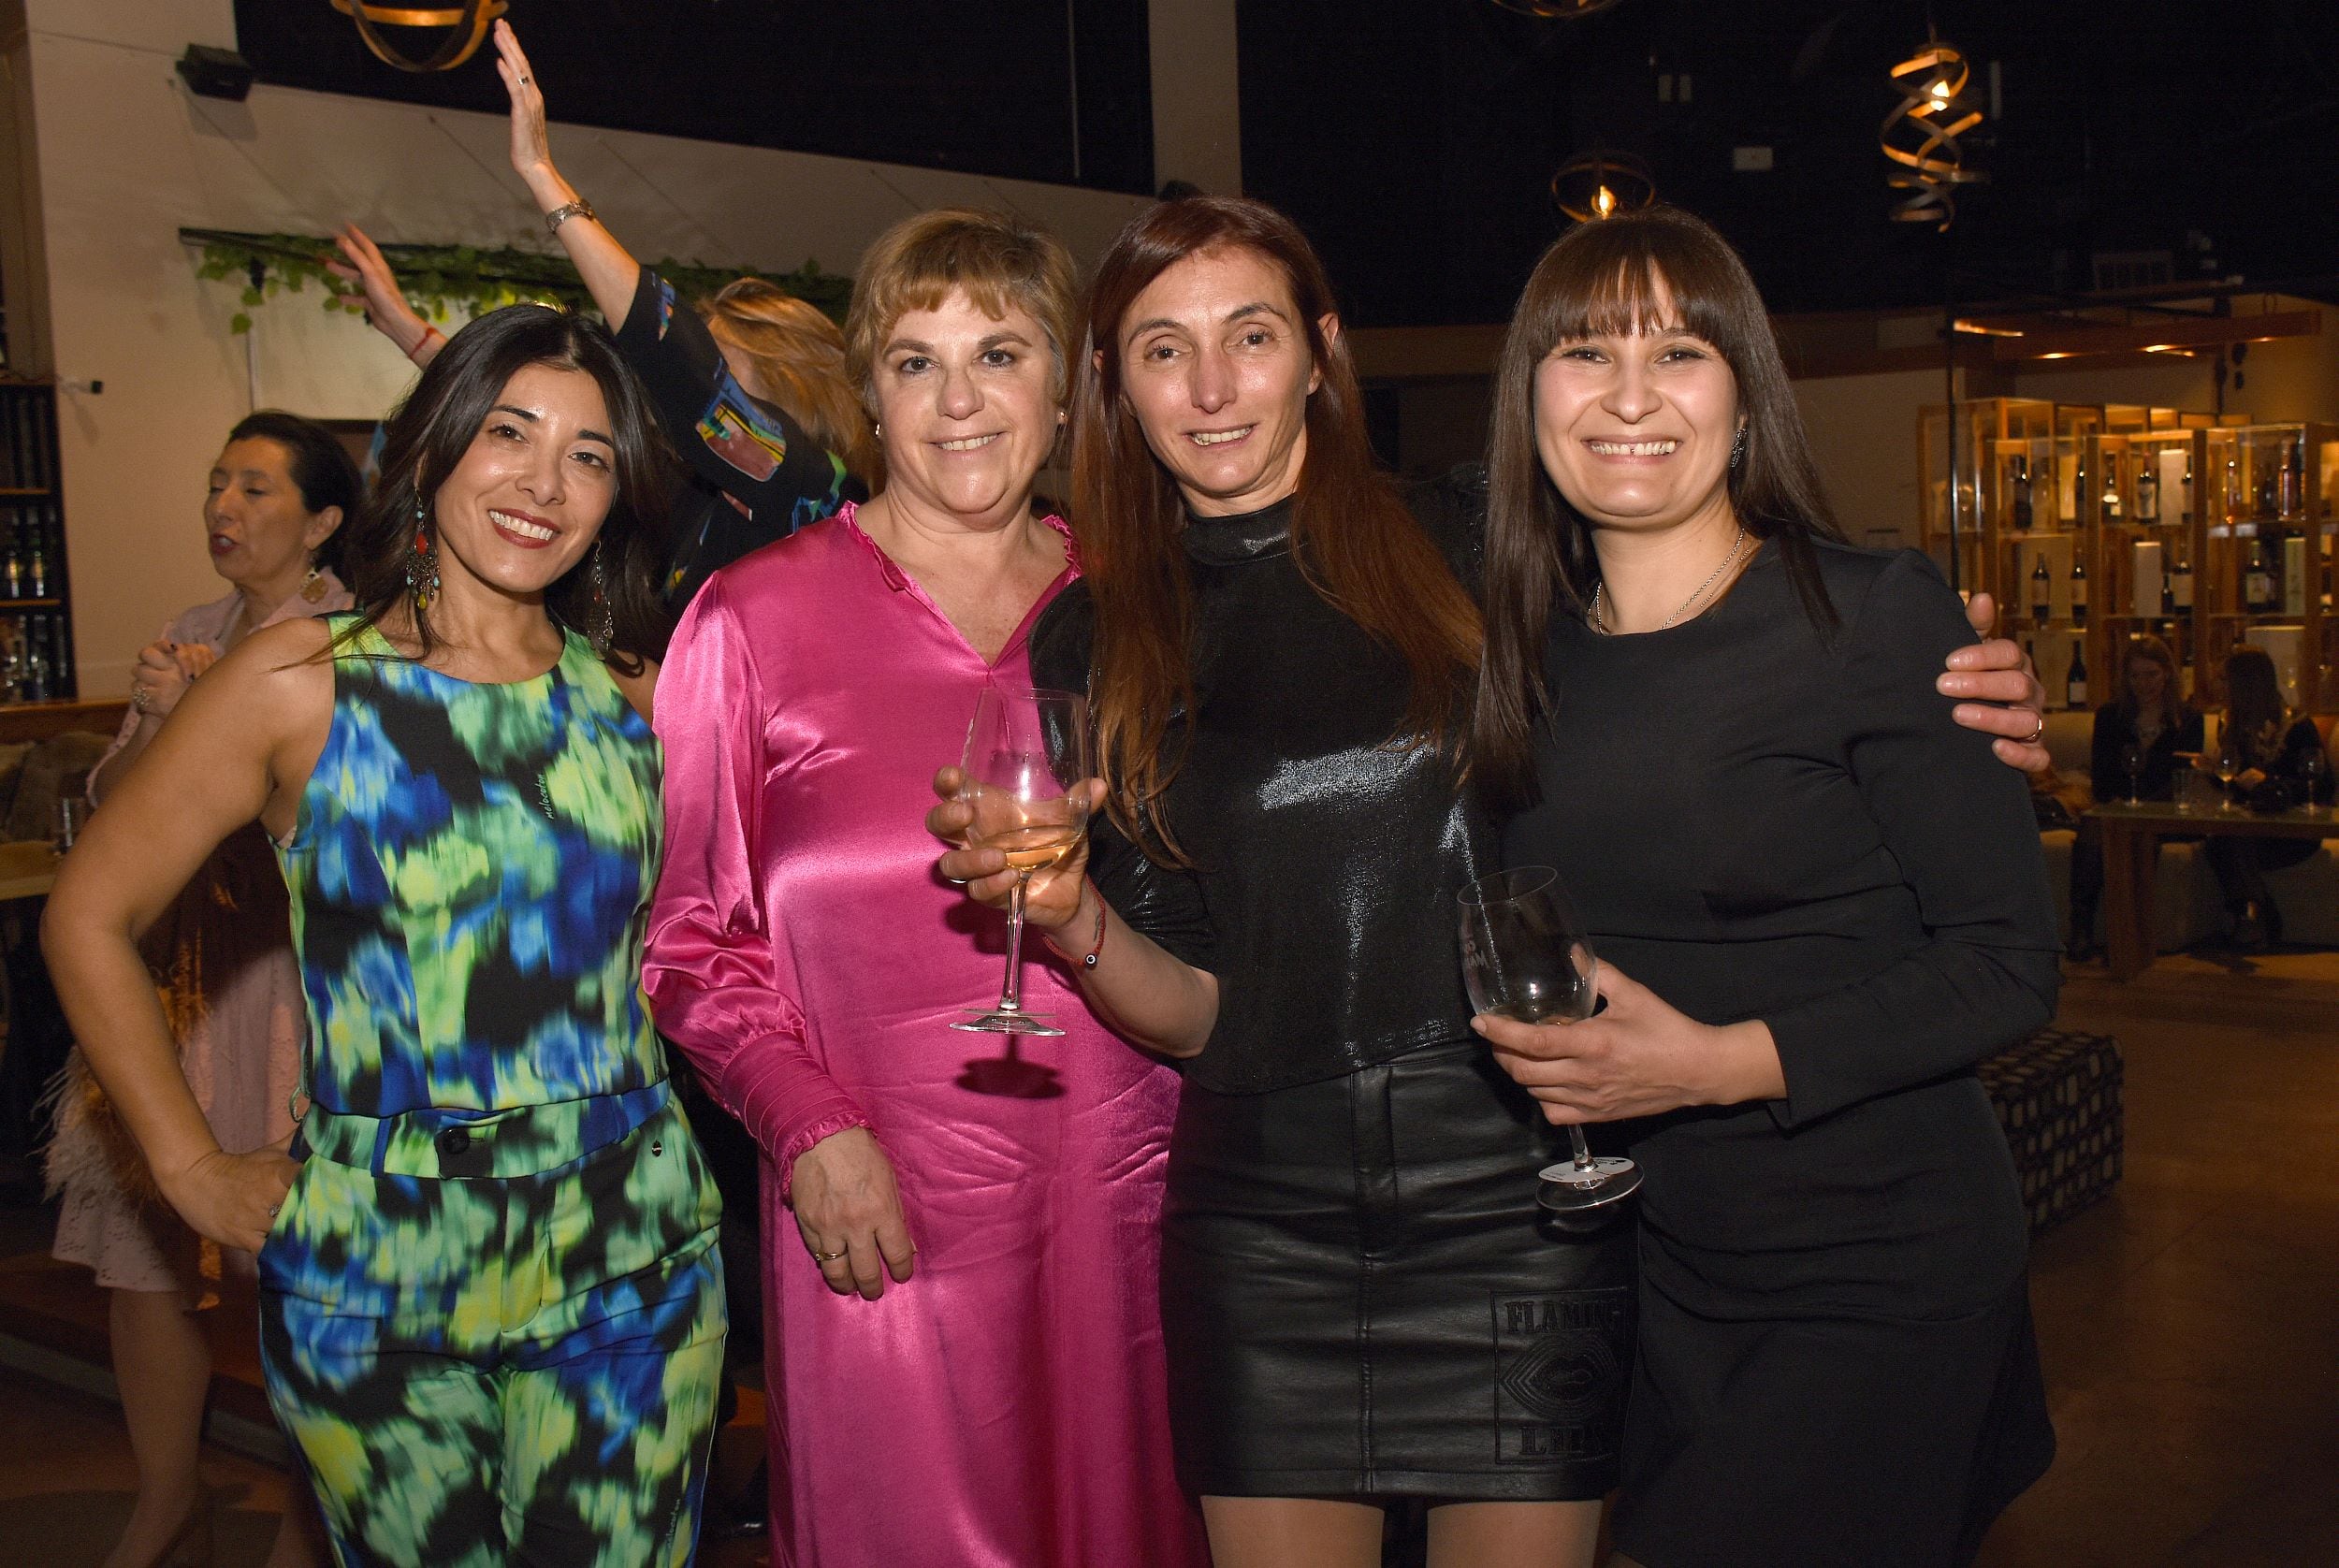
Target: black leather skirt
[(1360, 1300)]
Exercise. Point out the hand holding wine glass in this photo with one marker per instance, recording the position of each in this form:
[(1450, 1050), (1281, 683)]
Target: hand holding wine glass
[(1025, 786), (1525, 957)]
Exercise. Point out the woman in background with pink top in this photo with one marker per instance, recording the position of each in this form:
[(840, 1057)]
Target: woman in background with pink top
[(222, 957), (963, 1362)]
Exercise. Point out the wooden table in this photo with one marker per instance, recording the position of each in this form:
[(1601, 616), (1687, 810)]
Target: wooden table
[(2132, 834), (27, 870)]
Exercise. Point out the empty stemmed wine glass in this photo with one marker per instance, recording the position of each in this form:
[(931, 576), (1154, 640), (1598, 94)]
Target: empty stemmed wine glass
[(1525, 957), (1026, 770), (2132, 763), (2231, 765)]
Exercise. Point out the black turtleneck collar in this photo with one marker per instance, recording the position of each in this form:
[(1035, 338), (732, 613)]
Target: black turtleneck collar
[(1245, 536)]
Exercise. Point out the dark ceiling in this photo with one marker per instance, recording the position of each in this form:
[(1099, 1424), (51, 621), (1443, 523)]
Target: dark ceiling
[(1414, 140)]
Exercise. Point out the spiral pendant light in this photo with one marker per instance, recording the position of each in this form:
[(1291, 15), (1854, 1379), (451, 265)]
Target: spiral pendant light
[(467, 27), (1920, 135), (1590, 186)]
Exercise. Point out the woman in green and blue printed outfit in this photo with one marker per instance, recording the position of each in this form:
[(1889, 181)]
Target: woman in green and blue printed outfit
[(492, 1314)]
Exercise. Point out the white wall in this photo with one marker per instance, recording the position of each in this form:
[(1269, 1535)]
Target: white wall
[(125, 157), (1864, 436)]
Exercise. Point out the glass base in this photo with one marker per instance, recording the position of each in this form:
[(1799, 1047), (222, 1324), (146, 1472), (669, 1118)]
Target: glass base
[(1571, 1186), (999, 1021)]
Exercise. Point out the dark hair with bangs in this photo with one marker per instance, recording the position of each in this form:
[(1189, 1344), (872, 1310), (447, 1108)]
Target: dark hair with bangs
[(1353, 537), (1614, 277), (427, 438)]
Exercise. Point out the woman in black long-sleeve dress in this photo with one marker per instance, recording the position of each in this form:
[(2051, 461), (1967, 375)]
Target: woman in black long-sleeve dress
[(1818, 903)]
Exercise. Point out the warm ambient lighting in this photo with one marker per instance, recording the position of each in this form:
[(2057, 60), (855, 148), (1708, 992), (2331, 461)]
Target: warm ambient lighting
[(1921, 133), (1979, 330), (467, 24), (1600, 184)]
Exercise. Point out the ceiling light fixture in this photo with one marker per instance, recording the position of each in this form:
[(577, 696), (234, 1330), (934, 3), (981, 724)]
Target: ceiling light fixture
[(467, 25), (1921, 133), (1593, 185)]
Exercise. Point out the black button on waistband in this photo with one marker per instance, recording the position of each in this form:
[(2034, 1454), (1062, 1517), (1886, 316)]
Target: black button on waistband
[(453, 1141)]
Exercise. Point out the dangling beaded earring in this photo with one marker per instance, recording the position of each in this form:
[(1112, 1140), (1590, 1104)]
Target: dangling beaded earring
[(1737, 447), (313, 585), (422, 562), (605, 632)]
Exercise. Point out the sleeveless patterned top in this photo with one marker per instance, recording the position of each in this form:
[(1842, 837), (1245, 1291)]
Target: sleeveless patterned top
[(471, 878)]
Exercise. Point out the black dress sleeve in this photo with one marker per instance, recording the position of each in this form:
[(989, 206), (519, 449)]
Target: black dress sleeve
[(1159, 902), (2111, 736), (1959, 824), (773, 475)]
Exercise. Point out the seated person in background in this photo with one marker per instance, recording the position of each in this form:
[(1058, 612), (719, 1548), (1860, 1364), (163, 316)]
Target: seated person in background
[(2138, 737), (2284, 763)]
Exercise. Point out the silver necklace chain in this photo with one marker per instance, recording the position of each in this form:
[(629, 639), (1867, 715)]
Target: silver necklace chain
[(1598, 623)]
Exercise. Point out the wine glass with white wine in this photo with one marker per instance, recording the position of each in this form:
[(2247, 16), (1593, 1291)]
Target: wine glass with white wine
[(1025, 779), (1525, 957)]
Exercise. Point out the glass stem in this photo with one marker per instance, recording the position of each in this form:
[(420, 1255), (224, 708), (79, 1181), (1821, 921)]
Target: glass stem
[(1011, 984), (1583, 1149)]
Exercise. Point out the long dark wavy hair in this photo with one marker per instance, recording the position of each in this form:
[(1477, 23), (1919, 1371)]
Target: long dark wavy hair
[(1614, 277), (2255, 713), (321, 470), (428, 436), (1351, 532)]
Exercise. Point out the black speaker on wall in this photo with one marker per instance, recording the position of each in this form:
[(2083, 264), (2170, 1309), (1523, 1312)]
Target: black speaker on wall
[(215, 73)]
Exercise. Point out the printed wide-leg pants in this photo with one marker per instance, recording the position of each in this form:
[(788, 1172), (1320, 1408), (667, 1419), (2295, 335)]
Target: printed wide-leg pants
[(482, 1365)]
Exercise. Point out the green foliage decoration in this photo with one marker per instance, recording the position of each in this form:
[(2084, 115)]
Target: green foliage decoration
[(437, 277)]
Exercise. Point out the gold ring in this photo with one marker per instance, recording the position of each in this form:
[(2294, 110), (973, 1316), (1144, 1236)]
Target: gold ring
[(827, 1257), (2032, 738)]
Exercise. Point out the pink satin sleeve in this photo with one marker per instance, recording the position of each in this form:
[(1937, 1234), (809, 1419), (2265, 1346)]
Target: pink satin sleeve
[(711, 965)]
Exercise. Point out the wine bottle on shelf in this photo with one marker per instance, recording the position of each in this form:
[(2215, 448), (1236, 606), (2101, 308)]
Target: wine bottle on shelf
[(2075, 694), (2148, 489), (2042, 592), (35, 688), (37, 568), (2018, 509), (2111, 487), (2079, 587), (2181, 588), (2236, 489), (2185, 490), (2258, 583), (60, 658), (2290, 481), (12, 565)]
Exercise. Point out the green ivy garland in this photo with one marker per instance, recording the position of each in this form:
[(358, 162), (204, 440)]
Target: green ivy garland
[(434, 277)]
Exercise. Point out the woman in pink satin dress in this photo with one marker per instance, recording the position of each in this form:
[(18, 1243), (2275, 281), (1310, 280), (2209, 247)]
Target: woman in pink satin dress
[(963, 1361)]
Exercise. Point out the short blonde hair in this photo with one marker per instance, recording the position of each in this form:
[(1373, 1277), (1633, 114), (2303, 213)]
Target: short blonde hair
[(1002, 263), (799, 357)]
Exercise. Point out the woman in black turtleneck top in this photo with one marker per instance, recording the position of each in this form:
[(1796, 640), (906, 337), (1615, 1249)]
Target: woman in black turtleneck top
[(1357, 1300)]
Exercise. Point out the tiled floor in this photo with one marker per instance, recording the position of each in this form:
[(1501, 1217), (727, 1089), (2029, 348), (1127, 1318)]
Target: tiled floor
[(2190, 1324)]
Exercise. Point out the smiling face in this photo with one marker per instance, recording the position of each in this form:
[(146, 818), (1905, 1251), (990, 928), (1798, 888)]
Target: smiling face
[(1636, 428), (2148, 682), (1216, 367), (259, 530), (530, 495), (967, 409)]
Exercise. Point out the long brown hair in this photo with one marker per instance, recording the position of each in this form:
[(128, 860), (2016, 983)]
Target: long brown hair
[(427, 438), (1615, 277), (2255, 713), (799, 357), (2152, 650), (1351, 533)]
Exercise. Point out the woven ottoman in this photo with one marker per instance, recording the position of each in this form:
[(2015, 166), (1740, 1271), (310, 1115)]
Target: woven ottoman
[(2057, 1095)]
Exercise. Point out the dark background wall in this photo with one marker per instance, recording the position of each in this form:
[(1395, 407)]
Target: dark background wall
[(987, 88), (1415, 138)]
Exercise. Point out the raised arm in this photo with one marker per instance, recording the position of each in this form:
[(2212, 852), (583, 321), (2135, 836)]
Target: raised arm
[(240, 747), (610, 272)]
